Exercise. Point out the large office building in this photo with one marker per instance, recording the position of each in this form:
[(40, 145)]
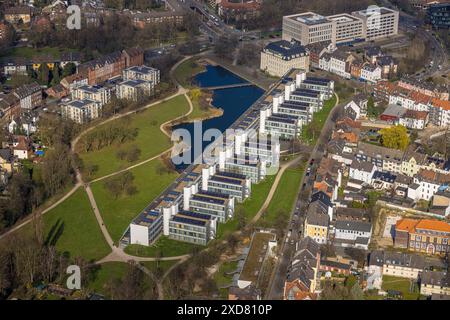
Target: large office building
[(235, 185), (379, 22), (218, 205), (348, 28), (279, 57), (369, 24), (308, 27), (192, 227)]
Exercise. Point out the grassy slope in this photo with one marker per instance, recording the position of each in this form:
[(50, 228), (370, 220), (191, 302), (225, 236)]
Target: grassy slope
[(107, 271), (251, 206), (284, 197), (319, 119), (150, 140), (118, 213), (186, 71), (81, 235), (167, 248)]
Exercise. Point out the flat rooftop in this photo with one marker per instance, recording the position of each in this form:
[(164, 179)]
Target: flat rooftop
[(309, 18), (343, 17), (371, 10), (256, 256)]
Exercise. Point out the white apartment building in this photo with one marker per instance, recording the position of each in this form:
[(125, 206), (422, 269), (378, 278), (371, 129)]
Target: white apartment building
[(142, 73), (99, 94), (81, 111), (371, 73), (134, 89), (378, 22), (308, 27), (277, 58), (362, 171)]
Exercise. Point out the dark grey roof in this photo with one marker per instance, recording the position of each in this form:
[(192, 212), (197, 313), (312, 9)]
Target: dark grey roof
[(6, 154), (402, 259), (437, 278), (353, 225), (317, 218), (362, 165), (286, 49)]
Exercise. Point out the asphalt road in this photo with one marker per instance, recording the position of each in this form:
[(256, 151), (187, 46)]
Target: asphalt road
[(299, 213)]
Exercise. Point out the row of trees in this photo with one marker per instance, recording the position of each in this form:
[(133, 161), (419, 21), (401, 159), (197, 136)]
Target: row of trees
[(121, 184), (108, 135), (113, 32)]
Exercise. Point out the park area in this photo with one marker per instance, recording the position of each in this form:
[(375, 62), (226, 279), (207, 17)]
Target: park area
[(99, 150)]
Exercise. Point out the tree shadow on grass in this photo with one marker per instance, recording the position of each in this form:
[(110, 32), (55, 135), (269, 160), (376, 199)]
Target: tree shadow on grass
[(55, 233)]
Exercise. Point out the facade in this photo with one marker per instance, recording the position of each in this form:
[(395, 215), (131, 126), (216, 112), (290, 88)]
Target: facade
[(99, 94), (277, 58), (352, 233), (348, 28), (425, 235), (214, 204), (316, 224), (434, 283), (362, 171), (372, 23), (192, 227), (302, 275), (142, 73), (81, 111), (307, 28), (134, 90), (29, 95), (232, 10), (146, 228), (427, 183), (379, 22), (233, 184)]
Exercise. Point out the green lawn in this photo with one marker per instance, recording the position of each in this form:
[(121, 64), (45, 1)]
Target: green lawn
[(150, 140), (319, 119), (165, 246), (251, 206), (186, 71), (222, 279), (107, 271), (118, 213), (73, 227), (400, 284)]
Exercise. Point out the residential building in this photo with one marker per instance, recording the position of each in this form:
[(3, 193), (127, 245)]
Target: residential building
[(277, 58), (30, 96), (440, 203), (370, 73), (19, 14), (424, 235), (335, 267), (141, 19), (427, 183), (233, 11), (427, 88), (383, 180), (141, 72), (434, 282), (6, 160), (385, 159), (316, 223), (254, 170), (362, 170), (96, 93), (413, 119), (340, 63), (21, 147), (412, 162), (134, 90), (302, 273), (354, 234), (81, 111)]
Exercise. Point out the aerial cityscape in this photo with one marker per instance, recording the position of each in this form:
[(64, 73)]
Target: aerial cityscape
[(224, 150)]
